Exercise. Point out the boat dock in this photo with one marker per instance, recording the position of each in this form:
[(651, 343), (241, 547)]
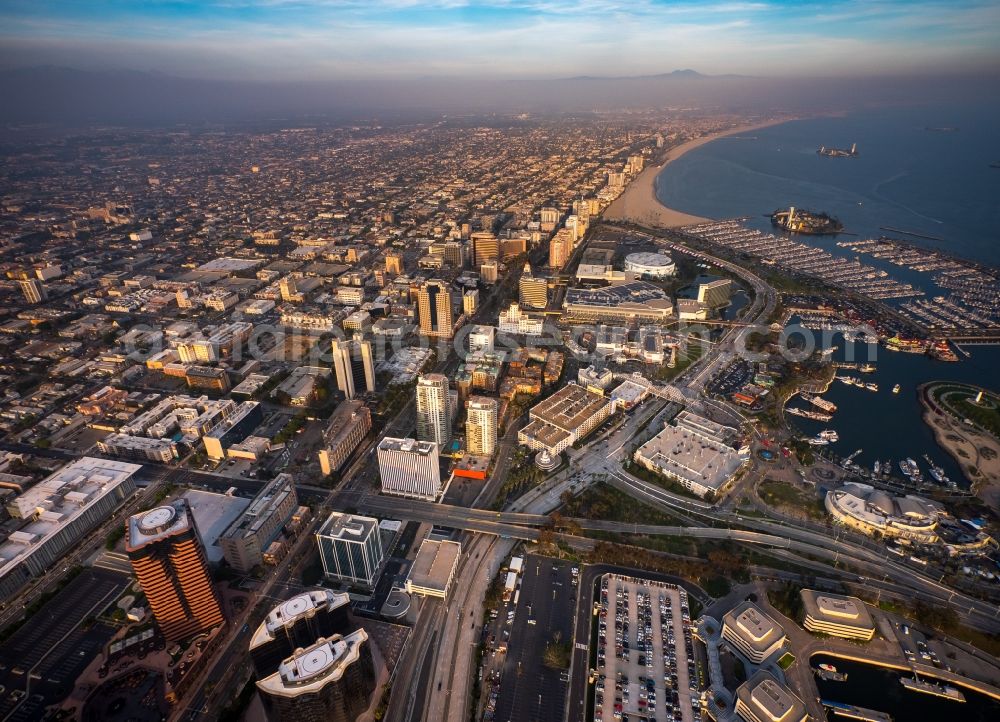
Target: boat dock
[(859, 713), (938, 690)]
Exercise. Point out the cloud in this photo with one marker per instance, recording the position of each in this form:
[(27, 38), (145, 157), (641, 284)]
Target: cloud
[(310, 39)]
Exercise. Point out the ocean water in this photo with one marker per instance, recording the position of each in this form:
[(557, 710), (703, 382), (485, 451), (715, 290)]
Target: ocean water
[(935, 183)]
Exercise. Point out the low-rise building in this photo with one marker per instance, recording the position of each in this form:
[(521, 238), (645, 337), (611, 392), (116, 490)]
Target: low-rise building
[(566, 416), (836, 615), (762, 698), (433, 569), (752, 633)]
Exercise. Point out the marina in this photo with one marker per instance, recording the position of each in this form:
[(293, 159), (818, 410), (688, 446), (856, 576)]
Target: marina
[(804, 259), (850, 711)]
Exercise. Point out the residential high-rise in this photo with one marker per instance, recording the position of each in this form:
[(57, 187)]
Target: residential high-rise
[(353, 366), (433, 409), (481, 426), (33, 290), (409, 468), (470, 302), (489, 272), (350, 548), (434, 307), (331, 680), (560, 248), (169, 561), (532, 291)]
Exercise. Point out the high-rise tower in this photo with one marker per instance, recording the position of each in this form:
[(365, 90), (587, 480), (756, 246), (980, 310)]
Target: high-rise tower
[(434, 306), (481, 426), (169, 560), (433, 409)]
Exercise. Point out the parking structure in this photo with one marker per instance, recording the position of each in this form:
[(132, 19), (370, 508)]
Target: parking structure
[(645, 654)]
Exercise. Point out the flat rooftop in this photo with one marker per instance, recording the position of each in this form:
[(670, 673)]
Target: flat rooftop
[(692, 456), (350, 527), (569, 407), (836, 608), (213, 514), (757, 629), (410, 446), (433, 566), (768, 699), (60, 499)]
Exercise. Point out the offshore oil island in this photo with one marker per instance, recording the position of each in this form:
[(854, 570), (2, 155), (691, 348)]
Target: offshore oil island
[(807, 222), (851, 152)]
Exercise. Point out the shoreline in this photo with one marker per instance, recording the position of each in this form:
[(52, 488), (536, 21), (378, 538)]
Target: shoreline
[(638, 202)]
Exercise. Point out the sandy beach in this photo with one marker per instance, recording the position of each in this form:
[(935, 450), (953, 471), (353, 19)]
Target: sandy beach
[(638, 203)]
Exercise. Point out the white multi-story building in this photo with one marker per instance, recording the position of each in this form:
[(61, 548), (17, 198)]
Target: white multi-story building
[(434, 409), (514, 320), (350, 548), (410, 468), (57, 512), (481, 338), (481, 426)]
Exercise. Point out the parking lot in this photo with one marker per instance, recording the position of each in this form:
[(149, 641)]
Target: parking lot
[(732, 378), (529, 689), (645, 654), (52, 647)]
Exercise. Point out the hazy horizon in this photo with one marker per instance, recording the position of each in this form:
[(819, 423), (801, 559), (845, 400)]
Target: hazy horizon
[(176, 60)]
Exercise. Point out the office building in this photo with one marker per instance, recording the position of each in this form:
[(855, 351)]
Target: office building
[(349, 425), (481, 339), (752, 633), (409, 468), (245, 540), (33, 290), (532, 291), (332, 680), (481, 426), (485, 247), (297, 623), (559, 421), (627, 302), (353, 366), (693, 452), (350, 548), (433, 569), (169, 561), (234, 429), (762, 698), (836, 615), (435, 309), (434, 409), (394, 263), (57, 513)]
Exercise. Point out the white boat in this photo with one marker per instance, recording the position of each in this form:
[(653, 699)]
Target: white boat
[(877, 468), (895, 389)]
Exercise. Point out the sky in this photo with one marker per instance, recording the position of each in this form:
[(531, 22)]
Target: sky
[(277, 40)]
